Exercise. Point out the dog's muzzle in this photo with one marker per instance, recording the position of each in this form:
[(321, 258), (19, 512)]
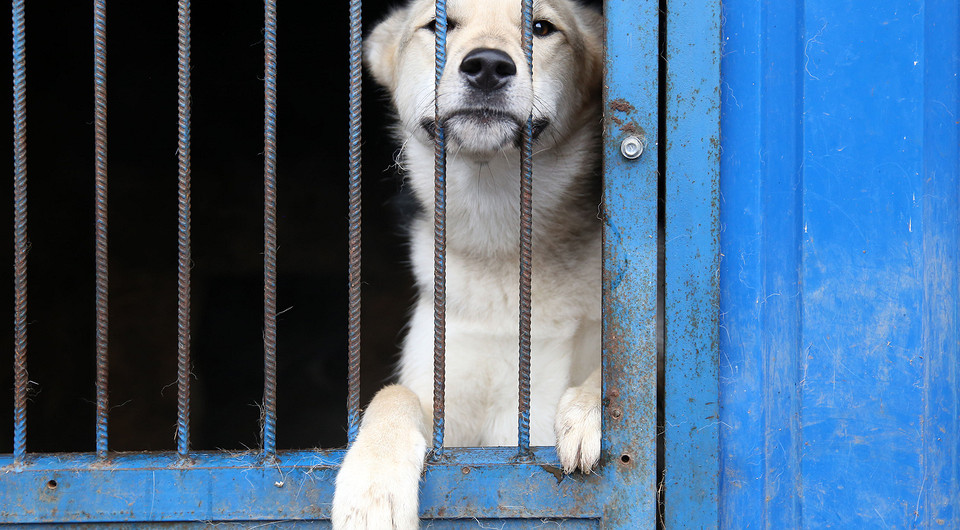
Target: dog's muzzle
[(480, 115)]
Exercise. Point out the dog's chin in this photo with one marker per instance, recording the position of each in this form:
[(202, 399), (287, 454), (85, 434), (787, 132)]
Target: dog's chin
[(481, 137), (483, 134)]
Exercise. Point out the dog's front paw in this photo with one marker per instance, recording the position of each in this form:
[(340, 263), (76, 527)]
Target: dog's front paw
[(578, 428), (371, 496), (377, 486)]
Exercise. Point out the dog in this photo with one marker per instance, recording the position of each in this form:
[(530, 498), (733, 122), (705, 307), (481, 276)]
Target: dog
[(485, 95)]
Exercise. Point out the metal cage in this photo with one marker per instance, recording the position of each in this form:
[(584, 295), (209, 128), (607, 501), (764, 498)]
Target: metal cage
[(517, 486)]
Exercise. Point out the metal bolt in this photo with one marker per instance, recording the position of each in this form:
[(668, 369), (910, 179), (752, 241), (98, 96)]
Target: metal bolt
[(631, 147), (617, 413)]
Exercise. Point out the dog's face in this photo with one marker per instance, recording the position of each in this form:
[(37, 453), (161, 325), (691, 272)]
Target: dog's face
[(486, 92)]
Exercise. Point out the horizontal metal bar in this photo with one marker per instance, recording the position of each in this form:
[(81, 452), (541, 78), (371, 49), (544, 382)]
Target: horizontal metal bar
[(312, 524), (61, 488)]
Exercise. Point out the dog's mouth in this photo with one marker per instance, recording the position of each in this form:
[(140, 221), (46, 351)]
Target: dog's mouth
[(486, 117)]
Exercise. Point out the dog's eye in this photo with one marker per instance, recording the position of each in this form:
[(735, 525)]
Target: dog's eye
[(432, 25), (542, 28)]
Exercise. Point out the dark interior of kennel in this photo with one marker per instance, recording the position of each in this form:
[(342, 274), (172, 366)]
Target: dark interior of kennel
[(227, 230)]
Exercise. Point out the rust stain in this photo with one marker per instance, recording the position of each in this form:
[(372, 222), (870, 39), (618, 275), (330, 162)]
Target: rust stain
[(625, 126), (632, 128), (555, 471), (621, 105)]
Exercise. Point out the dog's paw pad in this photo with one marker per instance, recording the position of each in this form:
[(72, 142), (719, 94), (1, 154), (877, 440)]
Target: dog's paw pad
[(578, 430)]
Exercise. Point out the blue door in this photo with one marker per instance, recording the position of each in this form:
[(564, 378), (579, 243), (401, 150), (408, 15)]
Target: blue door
[(839, 329)]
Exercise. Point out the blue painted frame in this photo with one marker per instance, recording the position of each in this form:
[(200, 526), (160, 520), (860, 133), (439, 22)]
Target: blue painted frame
[(630, 265), (491, 483), (691, 166)]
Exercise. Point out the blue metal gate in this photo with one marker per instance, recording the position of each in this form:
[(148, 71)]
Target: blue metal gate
[(661, 93)]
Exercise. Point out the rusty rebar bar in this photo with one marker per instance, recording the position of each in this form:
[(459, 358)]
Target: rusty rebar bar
[(526, 246), (183, 230), (100, 89), (270, 231), (354, 228), (19, 233), (439, 237)]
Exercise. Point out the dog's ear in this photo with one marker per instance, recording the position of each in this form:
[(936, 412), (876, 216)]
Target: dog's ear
[(381, 46)]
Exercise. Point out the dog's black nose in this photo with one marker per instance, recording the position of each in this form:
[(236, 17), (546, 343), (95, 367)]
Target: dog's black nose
[(488, 69)]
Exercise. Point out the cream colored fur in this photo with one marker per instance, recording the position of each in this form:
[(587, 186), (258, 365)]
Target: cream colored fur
[(377, 484)]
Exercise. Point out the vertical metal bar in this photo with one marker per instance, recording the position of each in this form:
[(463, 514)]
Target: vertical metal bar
[(355, 268), (270, 230), (20, 233), (526, 246), (100, 86), (439, 237), (630, 197), (183, 231), (691, 126)]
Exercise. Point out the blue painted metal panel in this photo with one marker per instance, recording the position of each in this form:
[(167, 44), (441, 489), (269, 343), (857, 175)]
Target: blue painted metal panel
[(840, 337), (759, 282), (691, 169), (630, 265), (940, 204)]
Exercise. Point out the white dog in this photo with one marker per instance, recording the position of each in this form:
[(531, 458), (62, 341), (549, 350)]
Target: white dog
[(485, 95)]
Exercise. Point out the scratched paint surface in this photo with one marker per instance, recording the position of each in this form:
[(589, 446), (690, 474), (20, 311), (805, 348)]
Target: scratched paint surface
[(839, 283)]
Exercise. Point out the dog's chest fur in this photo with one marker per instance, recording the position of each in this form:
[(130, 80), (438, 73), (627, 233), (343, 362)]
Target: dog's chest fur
[(482, 266)]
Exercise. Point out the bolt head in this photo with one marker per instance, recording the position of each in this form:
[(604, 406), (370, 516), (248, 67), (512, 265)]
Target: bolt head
[(631, 147)]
